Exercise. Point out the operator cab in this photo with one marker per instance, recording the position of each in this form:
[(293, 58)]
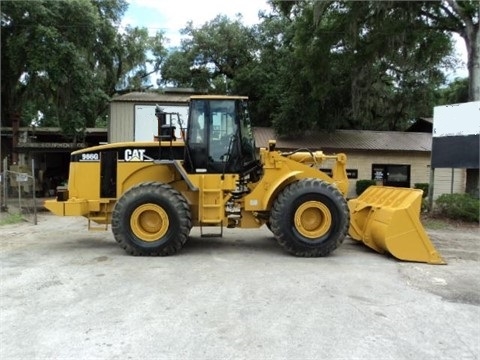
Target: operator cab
[(219, 136)]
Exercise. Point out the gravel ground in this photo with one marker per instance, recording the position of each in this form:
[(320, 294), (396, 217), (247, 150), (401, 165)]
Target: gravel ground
[(67, 293)]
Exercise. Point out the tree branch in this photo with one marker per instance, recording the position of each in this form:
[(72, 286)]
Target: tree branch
[(460, 11), (451, 15), (440, 22)]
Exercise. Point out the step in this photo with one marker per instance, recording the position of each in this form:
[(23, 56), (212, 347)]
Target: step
[(211, 235), (101, 223)]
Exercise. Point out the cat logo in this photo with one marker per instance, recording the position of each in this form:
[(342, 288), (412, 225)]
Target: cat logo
[(136, 155)]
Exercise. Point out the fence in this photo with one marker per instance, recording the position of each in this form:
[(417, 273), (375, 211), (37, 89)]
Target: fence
[(18, 192)]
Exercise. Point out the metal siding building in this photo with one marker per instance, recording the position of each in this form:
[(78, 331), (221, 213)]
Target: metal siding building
[(121, 121), (121, 125)]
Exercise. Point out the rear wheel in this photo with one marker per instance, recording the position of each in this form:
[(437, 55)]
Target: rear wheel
[(310, 218), (151, 219)]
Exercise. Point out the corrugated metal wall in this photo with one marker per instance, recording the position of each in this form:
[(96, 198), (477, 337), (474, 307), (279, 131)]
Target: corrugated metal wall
[(121, 122), (447, 180)]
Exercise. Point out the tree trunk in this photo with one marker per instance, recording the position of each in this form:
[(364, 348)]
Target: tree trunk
[(473, 65), (469, 33)]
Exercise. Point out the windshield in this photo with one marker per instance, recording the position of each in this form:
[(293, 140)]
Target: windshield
[(221, 127), (248, 141)]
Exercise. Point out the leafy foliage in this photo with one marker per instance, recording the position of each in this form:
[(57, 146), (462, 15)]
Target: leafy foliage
[(324, 64), (458, 207), (65, 59), (461, 17), (362, 185), (445, 16), (211, 56), (307, 65), (359, 69), (424, 187), (456, 92)]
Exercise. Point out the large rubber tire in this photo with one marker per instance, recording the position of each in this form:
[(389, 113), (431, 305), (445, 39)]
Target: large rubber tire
[(310, 218), (151, 219)]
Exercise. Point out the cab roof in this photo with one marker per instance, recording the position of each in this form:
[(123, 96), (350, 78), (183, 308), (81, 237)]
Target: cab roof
[(218, 97)]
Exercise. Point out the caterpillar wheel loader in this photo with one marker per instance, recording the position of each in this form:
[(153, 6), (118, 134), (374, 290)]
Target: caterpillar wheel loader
[(153, 193)]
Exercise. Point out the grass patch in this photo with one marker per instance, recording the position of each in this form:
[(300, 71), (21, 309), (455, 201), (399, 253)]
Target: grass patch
[(435, 224), (9, 219)]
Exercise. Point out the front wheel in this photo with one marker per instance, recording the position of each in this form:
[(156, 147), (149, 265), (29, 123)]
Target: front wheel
[(310, 218), (151, 219)]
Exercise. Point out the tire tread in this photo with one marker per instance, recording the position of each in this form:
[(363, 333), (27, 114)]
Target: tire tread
[(283, 203), (173, 197)]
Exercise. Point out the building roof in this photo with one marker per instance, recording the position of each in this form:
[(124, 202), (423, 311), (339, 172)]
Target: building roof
[(428, 120), (422, 124), (340, 140), (153, 97), (50, 130), (350, 140)]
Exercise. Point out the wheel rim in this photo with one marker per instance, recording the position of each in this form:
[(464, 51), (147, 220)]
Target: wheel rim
[(313, 219), (149, 222)]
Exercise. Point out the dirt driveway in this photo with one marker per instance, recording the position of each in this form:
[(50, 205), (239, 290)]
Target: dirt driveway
[(67, 293)]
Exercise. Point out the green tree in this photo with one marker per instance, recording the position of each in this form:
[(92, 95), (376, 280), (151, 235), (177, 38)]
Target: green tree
[(359, 65), (129, 61), (456, 92), (64, 59), (211, 56), (259, 78), (461, 17), (454, 16), (178, 71)]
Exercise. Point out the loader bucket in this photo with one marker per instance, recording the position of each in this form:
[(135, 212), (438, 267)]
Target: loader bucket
[(387, 219)]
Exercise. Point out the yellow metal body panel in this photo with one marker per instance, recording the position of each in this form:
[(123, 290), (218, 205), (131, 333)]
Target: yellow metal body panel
[(83, 180), (249, 220), (130, 144), (72, 207), (225, 182), (387, 219), (132, 173), (279, 171), (84, 191)]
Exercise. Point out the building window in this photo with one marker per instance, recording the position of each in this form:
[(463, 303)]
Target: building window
[(391, 175)]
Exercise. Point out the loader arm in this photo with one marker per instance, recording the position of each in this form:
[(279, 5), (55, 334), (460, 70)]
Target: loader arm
[(281, 169)]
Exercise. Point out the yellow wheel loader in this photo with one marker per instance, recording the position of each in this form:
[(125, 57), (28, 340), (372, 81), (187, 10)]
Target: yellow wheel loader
[(153, 193)]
